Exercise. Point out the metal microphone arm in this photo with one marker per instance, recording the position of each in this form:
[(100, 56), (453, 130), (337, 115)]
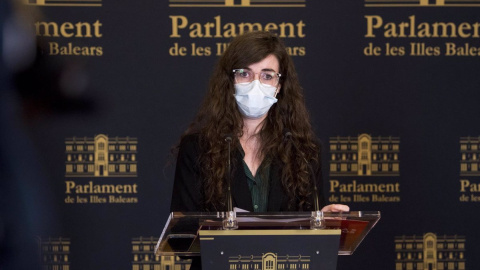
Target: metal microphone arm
[(317, 220), (230, 222)]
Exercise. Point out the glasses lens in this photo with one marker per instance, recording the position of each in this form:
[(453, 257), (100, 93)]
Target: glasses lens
[(243, 76), (269, 77)]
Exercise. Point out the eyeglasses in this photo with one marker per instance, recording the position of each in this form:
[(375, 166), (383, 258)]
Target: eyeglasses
[(266, 77)]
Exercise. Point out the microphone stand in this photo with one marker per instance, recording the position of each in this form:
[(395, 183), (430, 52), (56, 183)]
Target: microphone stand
[(230, 222), (317, 220)]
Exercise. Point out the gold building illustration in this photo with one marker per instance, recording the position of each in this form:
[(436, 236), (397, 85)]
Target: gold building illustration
[(269, 261), (242, 2), (144, 258), (54, 253), (364, 155), (432, 2), (470, 156), (101, 156), (430, 252), (421, 3), (89, 3), (236, 3)]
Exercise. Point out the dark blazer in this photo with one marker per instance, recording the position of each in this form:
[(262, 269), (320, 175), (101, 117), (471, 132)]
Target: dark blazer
[(187, 188)]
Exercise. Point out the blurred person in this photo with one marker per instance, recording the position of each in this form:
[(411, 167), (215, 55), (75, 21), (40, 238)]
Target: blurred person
[(19, 217), (30, 88)]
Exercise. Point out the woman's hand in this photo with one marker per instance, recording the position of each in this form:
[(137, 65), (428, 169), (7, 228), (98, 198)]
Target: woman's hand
[(336, 208)]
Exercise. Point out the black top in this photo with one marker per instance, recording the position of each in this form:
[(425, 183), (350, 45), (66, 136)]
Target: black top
[(187, 195)]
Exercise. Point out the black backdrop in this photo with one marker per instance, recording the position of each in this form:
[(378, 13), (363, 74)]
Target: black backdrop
[(138, 89)]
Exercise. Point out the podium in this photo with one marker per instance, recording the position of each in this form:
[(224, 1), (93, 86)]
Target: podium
[(267, 241)]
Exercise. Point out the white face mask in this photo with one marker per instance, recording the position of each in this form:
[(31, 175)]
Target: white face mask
[(254, 99)]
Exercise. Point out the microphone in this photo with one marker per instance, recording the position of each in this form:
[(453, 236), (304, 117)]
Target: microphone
[(230, 221), (228, 139), (317, 220)]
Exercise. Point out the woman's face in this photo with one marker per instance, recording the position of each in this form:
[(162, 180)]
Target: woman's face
[(266, 71), (256, 87), (269, 63)]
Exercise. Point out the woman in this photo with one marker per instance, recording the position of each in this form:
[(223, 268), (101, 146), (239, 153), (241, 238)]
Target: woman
[(254, 102)]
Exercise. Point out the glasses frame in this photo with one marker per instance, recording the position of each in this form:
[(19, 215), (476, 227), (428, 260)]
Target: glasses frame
[(259, 75)]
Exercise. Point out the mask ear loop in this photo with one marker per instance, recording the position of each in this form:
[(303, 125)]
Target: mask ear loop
[(278, 87), (277, 90)]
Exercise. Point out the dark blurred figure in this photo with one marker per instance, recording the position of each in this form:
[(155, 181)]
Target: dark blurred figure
[(31, 86), (18, 202)]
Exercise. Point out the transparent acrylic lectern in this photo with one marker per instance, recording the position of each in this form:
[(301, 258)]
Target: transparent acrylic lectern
[(283, 240)]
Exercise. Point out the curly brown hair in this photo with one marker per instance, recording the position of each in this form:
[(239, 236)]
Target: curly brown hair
[(219, 116)]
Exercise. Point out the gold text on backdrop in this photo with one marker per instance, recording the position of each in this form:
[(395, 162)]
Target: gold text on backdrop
[(413, 29), (217, 29)]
